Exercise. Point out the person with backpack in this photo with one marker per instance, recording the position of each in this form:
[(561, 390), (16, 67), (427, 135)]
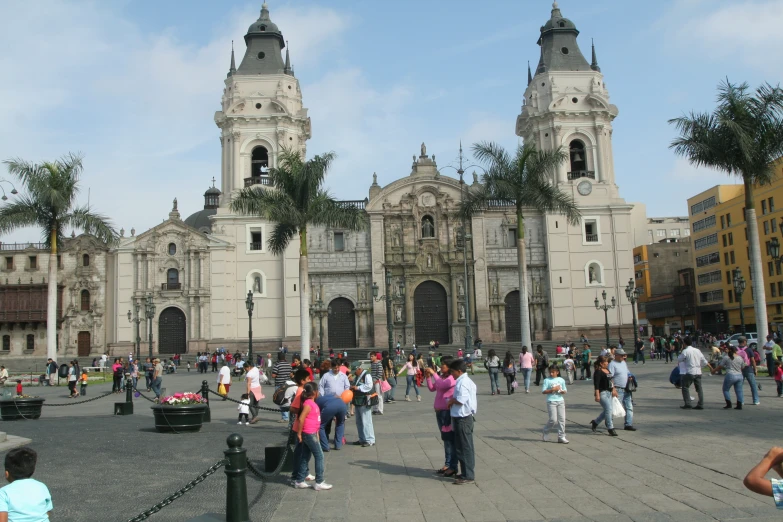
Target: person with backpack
[(542, 364), (283, 397), (362, 392)]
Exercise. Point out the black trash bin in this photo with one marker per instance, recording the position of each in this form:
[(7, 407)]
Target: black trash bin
[(62, 372)]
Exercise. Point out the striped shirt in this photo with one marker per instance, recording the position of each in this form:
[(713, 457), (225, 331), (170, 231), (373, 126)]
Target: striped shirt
[(283, 372), (376, 369)]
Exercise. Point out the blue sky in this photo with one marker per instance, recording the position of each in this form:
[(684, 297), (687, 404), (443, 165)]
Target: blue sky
[(134, 85)]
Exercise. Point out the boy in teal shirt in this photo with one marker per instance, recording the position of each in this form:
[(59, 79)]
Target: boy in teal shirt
[(24, 499)]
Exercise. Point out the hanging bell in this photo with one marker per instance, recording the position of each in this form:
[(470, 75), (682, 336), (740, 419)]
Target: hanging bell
[(577, 157)]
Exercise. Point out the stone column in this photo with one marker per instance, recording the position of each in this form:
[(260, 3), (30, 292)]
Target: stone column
[(562, 170), (237, 162), (454, 300), (599, 153), (201, 270)]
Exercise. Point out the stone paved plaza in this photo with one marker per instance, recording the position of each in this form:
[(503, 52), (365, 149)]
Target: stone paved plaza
[(680, 465)]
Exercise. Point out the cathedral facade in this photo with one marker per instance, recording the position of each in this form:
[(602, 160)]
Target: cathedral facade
[(439, 273)]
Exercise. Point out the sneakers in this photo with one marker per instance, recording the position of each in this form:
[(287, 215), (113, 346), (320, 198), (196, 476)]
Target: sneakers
[(563, 440), (407, 399), (309, 478), (527, 391), (629, 428), (545, 437), (756, 403), (301, 485), (322, 486), (418, 398)]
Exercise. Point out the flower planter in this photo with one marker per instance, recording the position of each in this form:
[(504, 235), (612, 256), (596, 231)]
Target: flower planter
[(180, 418), (24, 408)]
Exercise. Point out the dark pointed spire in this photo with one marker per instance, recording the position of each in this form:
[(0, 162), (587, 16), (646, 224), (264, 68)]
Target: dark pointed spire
[(529, 75), (233, 68), (594, 64), (287, 69)]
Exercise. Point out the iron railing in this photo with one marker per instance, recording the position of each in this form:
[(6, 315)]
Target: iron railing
[(171, 286), (576, 174), (258, 180)]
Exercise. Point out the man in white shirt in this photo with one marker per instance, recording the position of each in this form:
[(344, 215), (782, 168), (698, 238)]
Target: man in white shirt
[(224, 378), (618, 373), (693, 361), (268, 363), (333, 383), (462, 407), (477, 354), (769, 347)]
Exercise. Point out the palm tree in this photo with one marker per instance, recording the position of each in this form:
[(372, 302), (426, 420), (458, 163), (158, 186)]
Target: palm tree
[(299, 201), (48, 201), (741, 137), (523, 182)]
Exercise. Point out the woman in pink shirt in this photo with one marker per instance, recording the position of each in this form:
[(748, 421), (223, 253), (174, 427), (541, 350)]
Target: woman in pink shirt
[(307, 433), (443, 386), (526, 365)]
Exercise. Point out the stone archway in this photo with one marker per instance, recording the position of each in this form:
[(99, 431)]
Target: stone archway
[(430, 314), (513, 320), (172, 337), (342, 324)]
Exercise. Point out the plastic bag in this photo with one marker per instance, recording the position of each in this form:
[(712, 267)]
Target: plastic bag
[(221, 389), (617, 408), (385, 386)]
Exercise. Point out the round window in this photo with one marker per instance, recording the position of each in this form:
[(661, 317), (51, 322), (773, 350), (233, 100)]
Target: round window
[(258, 105), (575, 100), (261, 55), (564, 50), (172, 249)]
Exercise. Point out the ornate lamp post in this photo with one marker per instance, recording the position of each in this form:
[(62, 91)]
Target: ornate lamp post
[(249, 305), (739, 289), (605, 307), (136, 318), (149, 312), (388, 298), (633, 293), (13, 189)]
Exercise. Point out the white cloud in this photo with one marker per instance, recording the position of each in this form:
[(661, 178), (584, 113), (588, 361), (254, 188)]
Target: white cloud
[(138, 105), (747, 31)]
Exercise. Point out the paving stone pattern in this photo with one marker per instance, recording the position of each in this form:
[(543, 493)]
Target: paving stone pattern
[(680, 465)]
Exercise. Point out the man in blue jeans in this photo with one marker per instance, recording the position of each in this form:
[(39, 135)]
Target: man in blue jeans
[(462, 407), (749, 371), (157, 378), (618, 373), (332, 408)]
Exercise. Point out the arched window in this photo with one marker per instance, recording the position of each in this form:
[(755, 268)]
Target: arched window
[(30, 342), (172, 249), (427, 227), (85, 301), (172, 279), (578, 159), (6, 343), (86, 260), (259, 163)]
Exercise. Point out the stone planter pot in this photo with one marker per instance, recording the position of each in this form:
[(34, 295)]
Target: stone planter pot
[(176, 419), (13, 409)]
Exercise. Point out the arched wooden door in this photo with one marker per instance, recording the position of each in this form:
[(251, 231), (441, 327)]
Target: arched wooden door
[(172, 331), (342, 324), (513, 321), (430, 314), (83, 343)]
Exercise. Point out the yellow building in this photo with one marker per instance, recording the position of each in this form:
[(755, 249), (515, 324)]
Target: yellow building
[(720, 245)]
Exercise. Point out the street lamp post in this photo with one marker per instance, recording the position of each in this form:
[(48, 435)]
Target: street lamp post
[(13, 189), (388, 298), (605, 307), (136, 318), (739, 289), (149, 309), (633, 293), (249, 305)]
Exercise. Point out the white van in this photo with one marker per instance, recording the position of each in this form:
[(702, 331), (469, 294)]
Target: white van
[(751, 337)]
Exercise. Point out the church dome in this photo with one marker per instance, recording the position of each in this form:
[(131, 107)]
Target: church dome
[(200, 220)]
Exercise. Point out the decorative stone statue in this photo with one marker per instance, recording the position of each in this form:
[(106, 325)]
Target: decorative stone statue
[(398, 314), (317, 295), (175, 205), (361, 293), (460, 288), (395, 237), (461, 312), (495, 289), (429, 260), (374, 178), (536, 286), (257, 285), (591, 274), (423, 149), (427, 229)]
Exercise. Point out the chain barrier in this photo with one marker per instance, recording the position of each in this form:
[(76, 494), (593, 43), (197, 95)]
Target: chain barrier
[(80, 402), (143, 396), (260, 408), (144, 515)]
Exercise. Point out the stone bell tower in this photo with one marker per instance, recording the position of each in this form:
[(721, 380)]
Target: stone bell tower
[(566, 104), (261, 110)]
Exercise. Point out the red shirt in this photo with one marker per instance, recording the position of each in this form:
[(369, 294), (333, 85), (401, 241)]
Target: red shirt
[(19, 388), (310, 371)]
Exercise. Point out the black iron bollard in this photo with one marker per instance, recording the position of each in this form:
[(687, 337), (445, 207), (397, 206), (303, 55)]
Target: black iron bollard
[(236, 487), (126, 408), (205, 394)]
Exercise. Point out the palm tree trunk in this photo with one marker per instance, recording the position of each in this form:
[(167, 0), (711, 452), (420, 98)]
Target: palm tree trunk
[(51, 302), (524, 312), (756, 269), (304, 297)]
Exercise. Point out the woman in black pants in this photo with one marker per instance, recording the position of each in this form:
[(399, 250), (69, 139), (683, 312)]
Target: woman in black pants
[(510, 371)]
